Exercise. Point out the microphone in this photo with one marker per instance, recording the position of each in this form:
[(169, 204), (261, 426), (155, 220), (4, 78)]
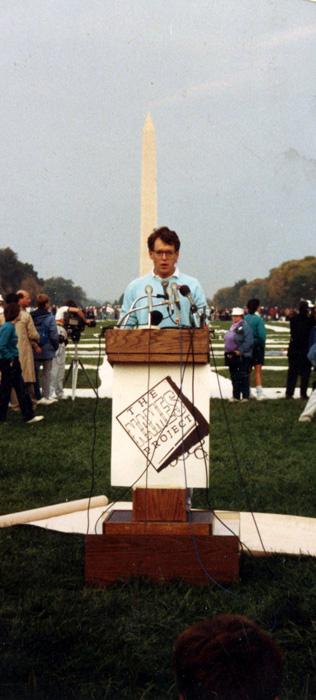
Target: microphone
[(164, 285), (186, 292), (149, 291), (169, 294), (174, 290)]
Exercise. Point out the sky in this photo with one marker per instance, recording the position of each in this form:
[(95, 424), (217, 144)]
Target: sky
[(231, 90)]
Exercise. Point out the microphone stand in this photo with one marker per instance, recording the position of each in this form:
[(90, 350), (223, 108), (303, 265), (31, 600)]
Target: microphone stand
[(196, 317), (139, 308), (203, 318)]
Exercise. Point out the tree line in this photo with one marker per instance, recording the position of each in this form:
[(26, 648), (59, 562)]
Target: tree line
[(15, 275), (284, 286)]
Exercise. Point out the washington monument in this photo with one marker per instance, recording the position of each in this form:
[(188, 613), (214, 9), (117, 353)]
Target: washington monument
[(149, 214)]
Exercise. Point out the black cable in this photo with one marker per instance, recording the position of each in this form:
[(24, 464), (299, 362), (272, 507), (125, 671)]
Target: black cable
[(242, 544), (208, 575), (234, 451), (94, 433)]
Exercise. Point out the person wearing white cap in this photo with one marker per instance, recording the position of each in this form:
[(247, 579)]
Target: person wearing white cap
[(238, 353)]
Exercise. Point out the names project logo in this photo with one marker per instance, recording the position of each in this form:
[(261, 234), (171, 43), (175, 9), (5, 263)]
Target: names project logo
[(163, 423)]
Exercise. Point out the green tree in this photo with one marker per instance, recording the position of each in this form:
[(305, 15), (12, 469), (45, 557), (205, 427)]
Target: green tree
[(227, 297), (303, 283), (278, 284), (254, 289), (59, 289), (16, 275), (285, 286), (10, 271)]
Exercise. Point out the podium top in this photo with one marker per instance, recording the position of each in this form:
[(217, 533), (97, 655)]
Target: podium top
[(161, 345)]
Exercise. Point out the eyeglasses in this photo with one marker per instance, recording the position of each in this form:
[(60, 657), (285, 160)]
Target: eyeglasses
[(164, 253)]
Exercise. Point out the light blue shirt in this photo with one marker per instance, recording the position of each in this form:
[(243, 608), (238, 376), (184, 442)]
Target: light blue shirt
[(136, 289)]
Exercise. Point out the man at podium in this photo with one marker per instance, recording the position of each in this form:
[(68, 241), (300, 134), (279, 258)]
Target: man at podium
[(165, 297)]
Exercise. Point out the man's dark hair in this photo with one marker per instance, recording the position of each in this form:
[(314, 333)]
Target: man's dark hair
[(253, 305), (71, 302), (166, 236), (11, 311), (12, 296), (303, 307), (227, 658)]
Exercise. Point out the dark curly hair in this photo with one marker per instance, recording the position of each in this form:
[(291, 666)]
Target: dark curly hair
[(167, 236), (11, 311), (229, 658)]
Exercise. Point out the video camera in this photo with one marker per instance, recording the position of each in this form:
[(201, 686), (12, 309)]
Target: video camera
[(75, 325)]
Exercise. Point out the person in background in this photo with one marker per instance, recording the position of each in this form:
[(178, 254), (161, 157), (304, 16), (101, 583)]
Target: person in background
[(238, 353), (28, 339), (310, 408), (11, 296), (11, 373), (227, 658), (256, 323), (59, 361), (42, 316), (301, 325)]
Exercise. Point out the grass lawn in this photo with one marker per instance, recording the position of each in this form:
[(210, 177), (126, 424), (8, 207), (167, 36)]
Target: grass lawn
[(271, 378), (59, 640)]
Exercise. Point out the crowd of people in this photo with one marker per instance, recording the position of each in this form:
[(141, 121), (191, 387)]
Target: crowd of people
[(272, 313), (30, 340), (245, 350), (42, 340)]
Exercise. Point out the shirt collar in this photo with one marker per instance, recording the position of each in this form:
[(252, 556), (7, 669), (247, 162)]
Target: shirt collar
[(174, 274)]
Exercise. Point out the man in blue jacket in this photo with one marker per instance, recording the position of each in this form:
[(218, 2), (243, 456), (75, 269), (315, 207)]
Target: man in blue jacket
[(45, 325)]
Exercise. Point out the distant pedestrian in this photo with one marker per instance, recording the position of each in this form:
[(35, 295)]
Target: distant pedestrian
[(310, 408), (28, 339), (238, 353), (45, 323), (301, 325), (257, 326), (59, 361)]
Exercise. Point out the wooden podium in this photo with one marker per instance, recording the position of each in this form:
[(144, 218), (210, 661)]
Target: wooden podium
[(159, 538)]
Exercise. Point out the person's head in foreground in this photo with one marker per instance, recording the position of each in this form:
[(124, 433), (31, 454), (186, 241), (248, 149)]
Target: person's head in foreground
[(12, 312), (227, 658)]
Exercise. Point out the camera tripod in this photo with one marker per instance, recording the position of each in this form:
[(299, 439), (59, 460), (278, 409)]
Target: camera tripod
[(73, 367)]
